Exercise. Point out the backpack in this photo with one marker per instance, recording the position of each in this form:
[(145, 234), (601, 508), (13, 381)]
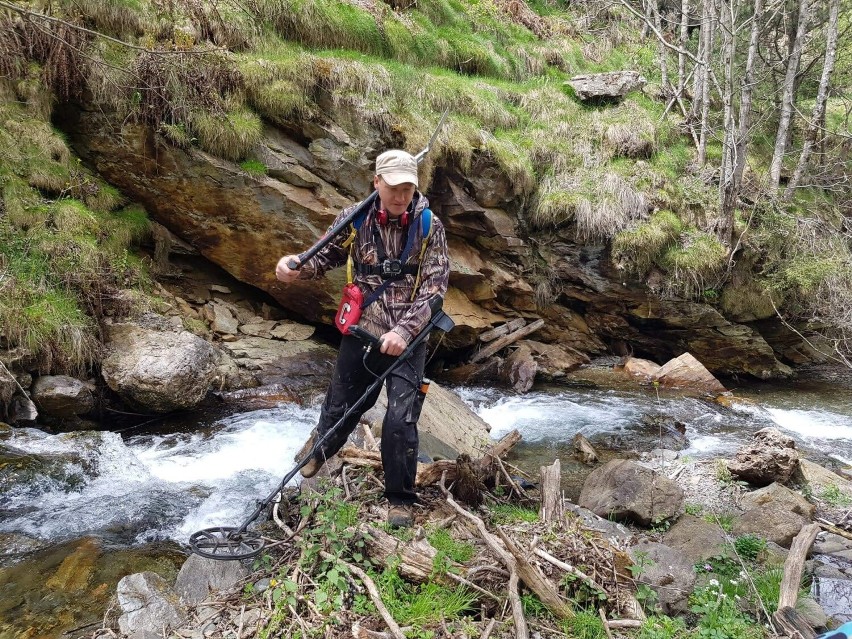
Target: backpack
[(426, 227)]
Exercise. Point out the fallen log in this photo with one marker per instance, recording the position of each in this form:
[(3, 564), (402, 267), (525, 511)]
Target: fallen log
[(430, 473), (786, 616), (503, 342), (503, 329), (416, 558)]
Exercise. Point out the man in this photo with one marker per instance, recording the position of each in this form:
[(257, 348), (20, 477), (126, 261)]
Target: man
[(396, 309)]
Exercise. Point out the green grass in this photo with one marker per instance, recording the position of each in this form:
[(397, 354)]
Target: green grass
[(636, 249), (503, 514), (443, 542), (64, 260), (422, 605)]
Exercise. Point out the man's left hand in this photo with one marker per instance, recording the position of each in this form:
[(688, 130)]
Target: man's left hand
[(392, 343)]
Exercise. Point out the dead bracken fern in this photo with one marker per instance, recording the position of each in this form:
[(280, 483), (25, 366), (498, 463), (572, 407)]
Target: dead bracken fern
[(58, 47)]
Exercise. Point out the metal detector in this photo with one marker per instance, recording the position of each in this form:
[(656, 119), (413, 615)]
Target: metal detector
[(231, 543)]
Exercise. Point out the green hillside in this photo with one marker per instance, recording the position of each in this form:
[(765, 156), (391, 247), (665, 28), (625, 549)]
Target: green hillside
[(210, 74)]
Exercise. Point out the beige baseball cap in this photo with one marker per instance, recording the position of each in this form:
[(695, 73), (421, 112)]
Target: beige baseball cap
[(397, 167)]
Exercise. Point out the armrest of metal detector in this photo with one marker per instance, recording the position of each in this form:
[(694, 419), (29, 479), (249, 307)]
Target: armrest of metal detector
[(364, 335)]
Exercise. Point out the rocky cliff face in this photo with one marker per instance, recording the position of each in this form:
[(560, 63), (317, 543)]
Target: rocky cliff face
[(245, 223)]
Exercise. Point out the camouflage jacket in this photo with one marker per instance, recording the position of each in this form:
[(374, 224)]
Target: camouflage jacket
[(394, 309)]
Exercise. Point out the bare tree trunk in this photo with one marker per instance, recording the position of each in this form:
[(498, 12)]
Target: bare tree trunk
[(787, 95), (727, 193), (681, 57), (697, 86), (818, 114), (740, 148), (708, 28), (664, 72)]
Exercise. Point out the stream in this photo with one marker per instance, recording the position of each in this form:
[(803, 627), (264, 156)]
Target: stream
[(80, 510)]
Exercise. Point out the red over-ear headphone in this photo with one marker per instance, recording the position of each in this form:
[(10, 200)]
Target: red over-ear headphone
[(382, 217)]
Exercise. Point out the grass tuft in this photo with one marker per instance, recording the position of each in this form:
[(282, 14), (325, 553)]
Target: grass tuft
[(636, 249)]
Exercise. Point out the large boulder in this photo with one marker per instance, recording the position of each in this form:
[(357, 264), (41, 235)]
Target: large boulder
[(610, 85), (770, 457), (772, 522), (62, 396), (445, 418), (158, 371), (688, 373), (625, 490), (695, 538)]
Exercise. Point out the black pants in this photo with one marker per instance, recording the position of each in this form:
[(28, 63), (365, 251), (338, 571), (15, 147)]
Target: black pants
[(399, 431)]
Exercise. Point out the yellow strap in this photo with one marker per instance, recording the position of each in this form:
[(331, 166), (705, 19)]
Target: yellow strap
[(349, 243)]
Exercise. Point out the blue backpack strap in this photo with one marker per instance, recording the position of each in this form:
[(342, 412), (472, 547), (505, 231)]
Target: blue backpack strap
[(426, 225)]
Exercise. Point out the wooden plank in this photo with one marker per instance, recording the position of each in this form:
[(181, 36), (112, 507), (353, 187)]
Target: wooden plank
[(504, 329), (503, 342)]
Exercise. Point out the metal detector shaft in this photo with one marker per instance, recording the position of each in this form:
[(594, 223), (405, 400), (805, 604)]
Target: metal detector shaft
[(365, 204), (439, 320)]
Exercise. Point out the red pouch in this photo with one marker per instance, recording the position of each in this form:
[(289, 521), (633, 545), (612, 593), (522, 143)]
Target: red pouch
[(349, 311)]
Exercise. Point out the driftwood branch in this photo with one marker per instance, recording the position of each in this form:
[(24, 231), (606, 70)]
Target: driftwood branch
[(794, 565), (499, 344), (508, 327), (786, 616), (515, 562)]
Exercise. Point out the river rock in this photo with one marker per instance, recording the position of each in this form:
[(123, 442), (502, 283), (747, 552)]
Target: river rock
[(624, 490), (688, 373), (639, 367), (819, 479), (8, 387), (770, 521), (695, 538), (781, 495), (297, 365), (519, 369), (770, 457), (200, 576), (158, 371), (668, 571), (148, 603), (62, 396)]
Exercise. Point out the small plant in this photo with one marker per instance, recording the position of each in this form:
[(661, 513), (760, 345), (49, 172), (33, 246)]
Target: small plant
[(749, 546), (533, 607), (723, 474), (661, 524), (724, 521), (833, 496), (693, 509), (443, 542), (662, 627), (586, 624)]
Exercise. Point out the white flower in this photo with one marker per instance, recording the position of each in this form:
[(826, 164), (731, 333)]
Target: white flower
[(713, 582)]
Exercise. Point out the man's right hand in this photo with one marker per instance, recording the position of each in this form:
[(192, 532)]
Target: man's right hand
[(283, 272)]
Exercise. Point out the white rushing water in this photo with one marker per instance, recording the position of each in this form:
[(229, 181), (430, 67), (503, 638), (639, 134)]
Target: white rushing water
[(152, 487)]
